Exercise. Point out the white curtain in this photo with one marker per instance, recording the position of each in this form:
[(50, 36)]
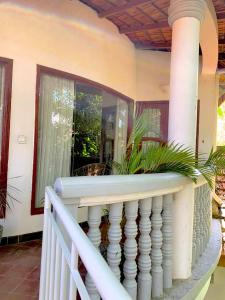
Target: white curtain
[(2, 88), (121, 130), (55, 121), (153, 116)]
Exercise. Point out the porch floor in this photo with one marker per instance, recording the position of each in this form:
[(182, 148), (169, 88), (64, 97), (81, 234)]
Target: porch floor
[(20, 270)]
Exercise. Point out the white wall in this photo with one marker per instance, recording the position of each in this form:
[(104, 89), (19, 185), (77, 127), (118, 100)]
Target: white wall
[(153, 74), (64, 35), (153, 79), (68, 36), (209, 95)]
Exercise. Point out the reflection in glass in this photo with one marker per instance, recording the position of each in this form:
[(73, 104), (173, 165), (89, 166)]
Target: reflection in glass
[(80, 129)]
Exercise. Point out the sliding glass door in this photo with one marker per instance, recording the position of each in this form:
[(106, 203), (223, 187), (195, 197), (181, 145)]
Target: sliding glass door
[(80, 129)]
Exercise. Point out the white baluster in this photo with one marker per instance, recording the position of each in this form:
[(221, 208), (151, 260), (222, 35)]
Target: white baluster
[(58, 256), (130, 249), (167, 248), (48, 259), (114, 236), (144, 245), (94, 234), (74, 266), (45, 243), (52, 265), (156, 253), (64, 280)]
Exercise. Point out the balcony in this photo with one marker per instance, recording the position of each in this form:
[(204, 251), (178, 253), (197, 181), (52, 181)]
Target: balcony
[(158, 243)]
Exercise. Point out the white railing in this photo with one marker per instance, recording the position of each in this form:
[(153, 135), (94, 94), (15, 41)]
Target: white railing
[(149, 236), (60, 276)]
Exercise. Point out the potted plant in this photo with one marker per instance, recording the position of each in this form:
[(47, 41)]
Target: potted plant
[(170, 157), (6, 201)]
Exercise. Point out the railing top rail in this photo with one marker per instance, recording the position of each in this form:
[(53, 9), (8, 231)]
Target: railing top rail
[(117, 185), (101, 274)]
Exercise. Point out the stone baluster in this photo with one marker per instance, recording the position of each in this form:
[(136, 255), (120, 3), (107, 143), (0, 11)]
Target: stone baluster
[(94, 234), (130, 249), (167, 247), (114, 236), (156, 253), (144, 245)]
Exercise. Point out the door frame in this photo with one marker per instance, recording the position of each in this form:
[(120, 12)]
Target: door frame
[(8, 63), (41, 70)]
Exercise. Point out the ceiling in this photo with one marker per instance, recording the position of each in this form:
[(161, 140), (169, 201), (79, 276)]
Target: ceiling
[(145, 22)]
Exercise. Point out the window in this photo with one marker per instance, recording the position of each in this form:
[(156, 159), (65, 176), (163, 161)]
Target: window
[(80, 127), (157, 113), (5, 106)]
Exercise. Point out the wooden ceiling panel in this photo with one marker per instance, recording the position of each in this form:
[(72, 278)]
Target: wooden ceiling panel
[(145, 22)]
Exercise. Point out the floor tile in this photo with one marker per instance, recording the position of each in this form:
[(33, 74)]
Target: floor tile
[(20, 271), (27, 288)]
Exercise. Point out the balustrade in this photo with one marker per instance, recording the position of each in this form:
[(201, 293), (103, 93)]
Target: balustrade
[(140, 237)]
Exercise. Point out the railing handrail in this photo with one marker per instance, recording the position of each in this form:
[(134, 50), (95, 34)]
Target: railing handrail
[(98, 190), (110, 185), (101, 274)]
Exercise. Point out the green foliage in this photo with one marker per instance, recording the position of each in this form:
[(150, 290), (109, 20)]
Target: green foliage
[(221, 125), (172, 157), (87, 125)]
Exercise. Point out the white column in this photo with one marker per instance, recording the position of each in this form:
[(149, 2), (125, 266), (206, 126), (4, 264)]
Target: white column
[(185, 17)]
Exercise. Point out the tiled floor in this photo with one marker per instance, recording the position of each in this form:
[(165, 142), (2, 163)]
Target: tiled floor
[(19, 271), (216, 290)]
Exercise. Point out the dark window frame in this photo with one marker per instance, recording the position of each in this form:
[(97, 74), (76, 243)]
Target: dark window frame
[(54, 72), (164, 108), (8, 63)]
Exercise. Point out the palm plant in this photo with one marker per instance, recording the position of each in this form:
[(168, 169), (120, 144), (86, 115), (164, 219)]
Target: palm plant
[(6, 200), (171, 157)]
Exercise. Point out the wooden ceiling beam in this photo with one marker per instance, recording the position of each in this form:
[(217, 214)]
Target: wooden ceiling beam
[(221, 56), (152, 46), (221, 42), (139, 28), (115, 10), (220, 14)]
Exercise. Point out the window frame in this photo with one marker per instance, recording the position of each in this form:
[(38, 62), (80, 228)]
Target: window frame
[(164, 122), (164, 106), (8, 63), (54, 72)]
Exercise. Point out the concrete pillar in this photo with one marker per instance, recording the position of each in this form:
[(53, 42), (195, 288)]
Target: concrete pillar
[(185, 18)]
